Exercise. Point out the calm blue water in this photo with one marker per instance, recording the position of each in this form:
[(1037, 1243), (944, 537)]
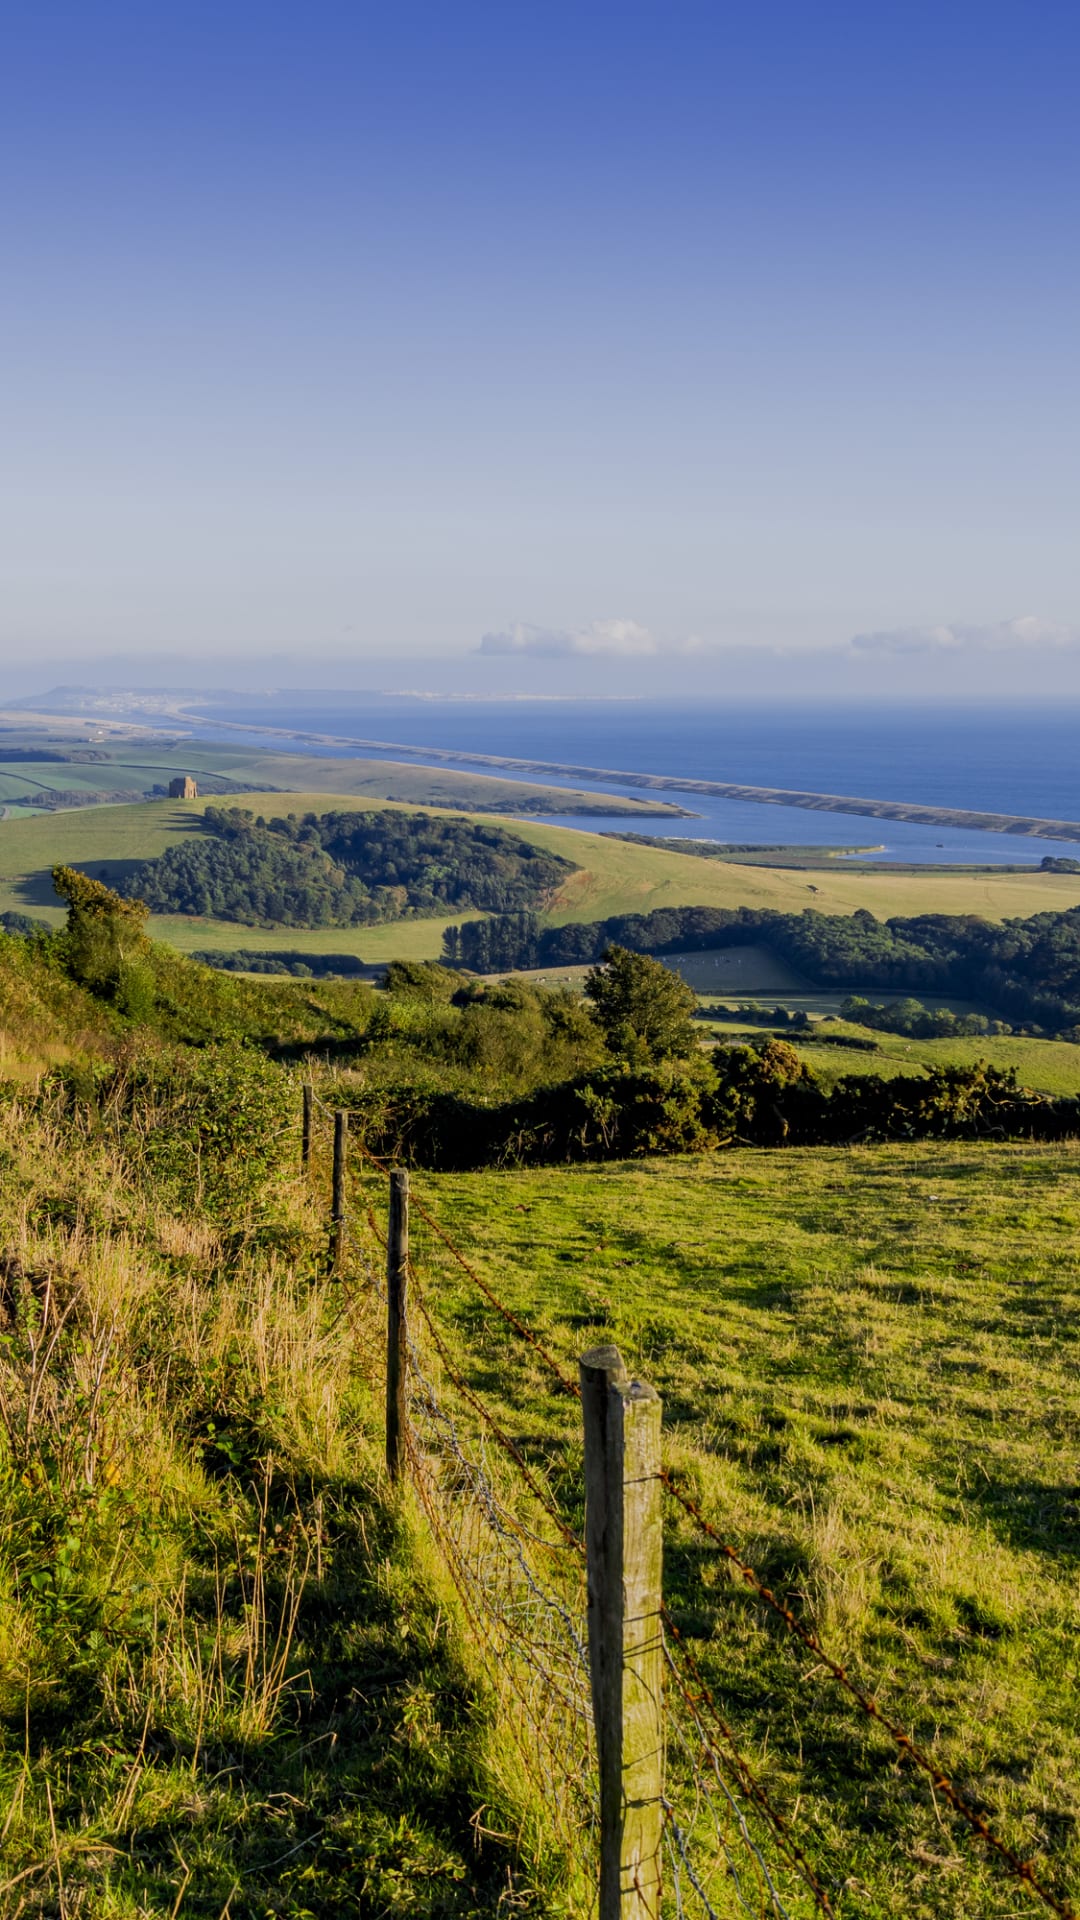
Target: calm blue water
[(1000, 762)]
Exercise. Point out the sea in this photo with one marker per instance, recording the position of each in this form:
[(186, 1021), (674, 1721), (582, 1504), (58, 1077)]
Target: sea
[(1020, 761)]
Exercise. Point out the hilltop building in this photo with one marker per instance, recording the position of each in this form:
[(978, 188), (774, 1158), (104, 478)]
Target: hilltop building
[(183, 788)]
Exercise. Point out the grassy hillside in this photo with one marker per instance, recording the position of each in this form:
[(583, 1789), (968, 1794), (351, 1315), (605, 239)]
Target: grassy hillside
[(619, 877), (229, 1679), (616, 877), (869, 1367), (234, 1674)]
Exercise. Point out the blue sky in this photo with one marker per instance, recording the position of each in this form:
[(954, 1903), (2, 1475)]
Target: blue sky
[(357, 332)]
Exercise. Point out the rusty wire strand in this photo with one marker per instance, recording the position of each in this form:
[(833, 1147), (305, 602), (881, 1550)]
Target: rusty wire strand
[(1023, 1869), (566, 1384), (508, 1445), (748, 1780), (941, 1783)]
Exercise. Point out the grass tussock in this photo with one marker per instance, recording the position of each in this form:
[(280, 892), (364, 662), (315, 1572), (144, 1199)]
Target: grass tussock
[(228, 1681)]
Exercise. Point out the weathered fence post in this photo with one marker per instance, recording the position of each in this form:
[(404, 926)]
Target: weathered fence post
[(305, 1126), (397, 1268), (624, 1550), (337, 1210)]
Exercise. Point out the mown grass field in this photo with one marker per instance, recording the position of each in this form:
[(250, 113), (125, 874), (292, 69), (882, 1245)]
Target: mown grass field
[(615, 877), (868, 1360)]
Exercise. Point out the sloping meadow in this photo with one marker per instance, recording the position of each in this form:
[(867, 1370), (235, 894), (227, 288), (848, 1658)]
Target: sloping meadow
[(868, 1363)]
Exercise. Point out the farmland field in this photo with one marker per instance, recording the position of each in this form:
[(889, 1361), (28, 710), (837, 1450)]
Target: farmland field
[(1050, 1066), (138, 764), (615, 877), (868, 1360)]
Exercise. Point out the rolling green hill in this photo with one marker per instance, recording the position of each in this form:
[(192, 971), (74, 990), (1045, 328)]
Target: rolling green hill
[(614, 877), (240, 1673)]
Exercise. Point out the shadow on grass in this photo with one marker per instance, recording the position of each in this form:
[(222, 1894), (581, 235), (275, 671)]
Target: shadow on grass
[(365, 1794), (1032, 1514)]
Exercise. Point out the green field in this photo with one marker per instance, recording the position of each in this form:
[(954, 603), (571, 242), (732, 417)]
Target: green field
[(868, 1360), (243, 1674), (1050, 1066), (614, 877), (138, 764)]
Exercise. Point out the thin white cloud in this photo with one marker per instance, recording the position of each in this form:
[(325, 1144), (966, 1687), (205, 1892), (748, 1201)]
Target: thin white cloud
[(624, 638), (1026, 634), (621, 639)]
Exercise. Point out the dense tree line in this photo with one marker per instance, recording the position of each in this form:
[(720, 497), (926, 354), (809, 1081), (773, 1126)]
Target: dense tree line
[(343, 869), (917, 1022), (1029, 970), (528, 1074), (304, 966)]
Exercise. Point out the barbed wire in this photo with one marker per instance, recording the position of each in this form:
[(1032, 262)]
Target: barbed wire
[(700, 1778), (1023, 1869), (694, 1831), (528, 1625), (751, 1786), (512, 1319), (484, 1413), (521, 1586), (497, 1517)]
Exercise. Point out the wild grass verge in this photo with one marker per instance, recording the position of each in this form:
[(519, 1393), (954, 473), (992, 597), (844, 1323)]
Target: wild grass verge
[(229, 1683)]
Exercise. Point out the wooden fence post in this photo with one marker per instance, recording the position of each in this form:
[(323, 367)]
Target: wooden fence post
[(624, 1550), (305, 1126), (397, 1268), (337, 1210)]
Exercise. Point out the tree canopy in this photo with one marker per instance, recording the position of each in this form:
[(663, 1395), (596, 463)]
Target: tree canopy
[(343, 869), (644, 1010), (1028, 970), (104, 942)]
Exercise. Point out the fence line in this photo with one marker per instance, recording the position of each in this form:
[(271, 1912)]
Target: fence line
[(520, 1580), (702, 1852), (486, 1544)]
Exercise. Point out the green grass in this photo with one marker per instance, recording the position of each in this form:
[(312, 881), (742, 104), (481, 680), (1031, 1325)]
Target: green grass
[(614, 877), (618, 877), (230, 1678), (1050, 1066), (141, 764), (869, 1367), (868, 1360), (396, 940)]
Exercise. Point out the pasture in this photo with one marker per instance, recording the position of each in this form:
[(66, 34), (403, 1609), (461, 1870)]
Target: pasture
[(1050, 1066), (138, 764), (868, 1360), (614, 877)]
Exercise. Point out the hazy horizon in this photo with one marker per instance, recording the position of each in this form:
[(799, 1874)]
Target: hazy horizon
[(540, 349)]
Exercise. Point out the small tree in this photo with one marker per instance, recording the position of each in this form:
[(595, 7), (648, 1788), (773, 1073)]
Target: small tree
[(104, 943), (642, 1008)]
